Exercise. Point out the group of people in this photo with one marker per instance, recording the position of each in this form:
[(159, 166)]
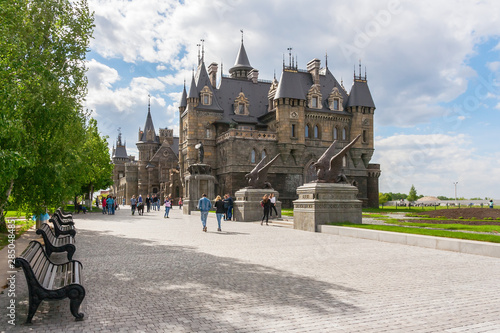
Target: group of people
[(152, 202), (223, 209), (268, 203), (109, 204)]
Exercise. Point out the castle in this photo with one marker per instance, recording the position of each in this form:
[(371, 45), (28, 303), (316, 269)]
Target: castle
[(243, 119), (156, 170)]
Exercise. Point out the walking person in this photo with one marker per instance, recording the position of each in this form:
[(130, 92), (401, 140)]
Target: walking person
[(491, 203), (204, 205), (109, 204), (133, 203), (180, 203), (148, 203), (229, 214), (266, 204), (168, 205), (97, 202), (219, 210), (103, 199), (113, 206), (272, 198)]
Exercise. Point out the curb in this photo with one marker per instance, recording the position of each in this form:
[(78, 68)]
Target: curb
[(437, 243)]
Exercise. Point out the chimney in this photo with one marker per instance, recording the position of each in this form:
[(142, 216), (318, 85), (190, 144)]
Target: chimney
[(254, 75), (313, 69), (212, 73)]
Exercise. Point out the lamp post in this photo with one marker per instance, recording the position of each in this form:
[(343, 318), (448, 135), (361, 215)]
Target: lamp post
[(455, 183)]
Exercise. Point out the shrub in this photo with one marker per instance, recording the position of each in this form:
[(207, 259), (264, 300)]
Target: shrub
[(461, 217)]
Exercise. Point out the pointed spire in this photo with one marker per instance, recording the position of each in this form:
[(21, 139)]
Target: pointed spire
[(365, 73), (360, 68), (241, 36), (184, 96), (193, 93), (198, 46), (326, 59), (202, 50), (241, 64), (149, 103)]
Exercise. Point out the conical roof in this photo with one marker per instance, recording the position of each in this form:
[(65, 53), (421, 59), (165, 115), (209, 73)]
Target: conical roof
[(148, 126), (184, 97), (193, 92), (241, 62)]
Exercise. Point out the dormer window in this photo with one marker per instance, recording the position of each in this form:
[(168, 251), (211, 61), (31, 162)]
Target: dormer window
[(206, 96), (335, 100), (241, 105), (314, 97)]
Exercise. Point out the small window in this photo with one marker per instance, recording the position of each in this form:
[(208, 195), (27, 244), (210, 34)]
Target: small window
[(316, 132), (344, 134), (336, 104), (241, 108), (293, 130), (207, 133), (263, 155), (364, 136), (344, 161), (307, 131), (314, 102), (335, 133), (252, 156), (205, 100)]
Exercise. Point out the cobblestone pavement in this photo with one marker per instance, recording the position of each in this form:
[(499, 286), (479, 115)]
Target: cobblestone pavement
[(150, 274)]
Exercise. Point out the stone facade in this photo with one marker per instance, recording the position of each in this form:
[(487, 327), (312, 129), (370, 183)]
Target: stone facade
[(244, 119), (156, 172)]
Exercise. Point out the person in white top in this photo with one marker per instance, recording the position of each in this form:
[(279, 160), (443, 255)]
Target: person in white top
[(273, 205)]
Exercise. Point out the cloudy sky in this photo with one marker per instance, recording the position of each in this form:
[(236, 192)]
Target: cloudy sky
[(433, 68)]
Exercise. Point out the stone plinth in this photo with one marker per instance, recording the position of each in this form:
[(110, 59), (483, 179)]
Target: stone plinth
[(247, 206), (196, 184), (322, 203)]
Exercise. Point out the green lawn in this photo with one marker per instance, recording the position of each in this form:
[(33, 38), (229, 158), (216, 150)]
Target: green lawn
[(22, 226), (427, 232)]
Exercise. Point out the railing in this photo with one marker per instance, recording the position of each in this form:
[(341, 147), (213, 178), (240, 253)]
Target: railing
[(247, 134)]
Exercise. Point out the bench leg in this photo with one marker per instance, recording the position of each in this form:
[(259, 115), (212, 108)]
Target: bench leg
[(33, 306), (76, 296)]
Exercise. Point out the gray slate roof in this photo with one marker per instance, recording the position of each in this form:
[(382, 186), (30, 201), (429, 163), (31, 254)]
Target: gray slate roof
[(241, 62), (360, 95), (184, 97), (120, 152), (296, 84), (149, 126)]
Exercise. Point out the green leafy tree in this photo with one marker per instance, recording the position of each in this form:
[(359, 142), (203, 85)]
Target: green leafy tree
[(412, 196), (43, 44), (384, 198)]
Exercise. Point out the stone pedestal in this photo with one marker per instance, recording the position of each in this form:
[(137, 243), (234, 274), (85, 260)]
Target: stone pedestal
[(198, 182), (322, 203), (247, 206)]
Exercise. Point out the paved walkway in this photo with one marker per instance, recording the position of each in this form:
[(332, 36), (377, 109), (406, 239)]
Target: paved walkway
[(150, 274)]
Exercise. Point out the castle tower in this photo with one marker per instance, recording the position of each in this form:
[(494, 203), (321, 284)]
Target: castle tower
[(147, 144)]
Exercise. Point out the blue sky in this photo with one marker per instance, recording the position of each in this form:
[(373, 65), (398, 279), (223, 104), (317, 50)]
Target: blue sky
[(433, 68)]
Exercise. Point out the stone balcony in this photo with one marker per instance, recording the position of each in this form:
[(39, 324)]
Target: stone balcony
[(247, 134)]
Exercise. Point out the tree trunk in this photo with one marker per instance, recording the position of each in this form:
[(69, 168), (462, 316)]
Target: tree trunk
[(3, 225)]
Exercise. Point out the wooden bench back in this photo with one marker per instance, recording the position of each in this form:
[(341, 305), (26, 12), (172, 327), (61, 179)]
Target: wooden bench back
[(50, 234)]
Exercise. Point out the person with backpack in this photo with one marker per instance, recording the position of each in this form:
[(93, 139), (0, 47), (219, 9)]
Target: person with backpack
[(266, 205)]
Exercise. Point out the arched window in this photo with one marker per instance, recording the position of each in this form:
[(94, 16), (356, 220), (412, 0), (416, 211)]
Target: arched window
[(344, 134), (307, 133), (316, 132), (364, 136), (252, 156), (263, 154), (344, 161), (335, 133)]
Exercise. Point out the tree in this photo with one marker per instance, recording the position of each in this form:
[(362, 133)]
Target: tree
[(412, 196), (384, 197), (43, 44)]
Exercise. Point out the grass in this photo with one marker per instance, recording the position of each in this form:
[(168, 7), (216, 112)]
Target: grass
[(426, 232), (21, 227), (475, 228), (287, 211), (375, 215)]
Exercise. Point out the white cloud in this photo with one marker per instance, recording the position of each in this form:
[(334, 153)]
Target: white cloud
[(433, 162)]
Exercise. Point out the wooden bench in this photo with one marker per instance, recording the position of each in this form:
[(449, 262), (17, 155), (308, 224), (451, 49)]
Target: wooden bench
[(63, 229), (60, 220), (65, 219), (56, 244), (65, 214), (50, 281)]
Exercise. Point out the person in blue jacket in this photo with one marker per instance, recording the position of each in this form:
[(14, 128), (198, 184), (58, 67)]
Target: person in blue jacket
[(204, 205)]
